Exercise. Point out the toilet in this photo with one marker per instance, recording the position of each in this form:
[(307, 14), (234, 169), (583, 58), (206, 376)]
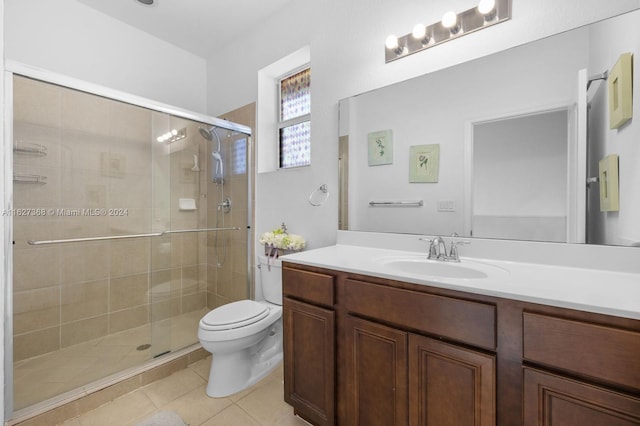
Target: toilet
[(245, 337)]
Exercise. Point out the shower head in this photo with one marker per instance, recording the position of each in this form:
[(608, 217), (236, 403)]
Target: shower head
[(206, 133), (209, 134)]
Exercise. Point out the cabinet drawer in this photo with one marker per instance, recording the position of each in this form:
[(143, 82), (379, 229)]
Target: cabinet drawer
[(460, 320), (593, 350), (309, 286)]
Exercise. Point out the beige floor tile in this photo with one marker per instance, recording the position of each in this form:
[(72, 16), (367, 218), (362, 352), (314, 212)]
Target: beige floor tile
[(196, 407), (202, 367), (180, 383), (266, 403), (231, 416), (276, 375), (122, 411)]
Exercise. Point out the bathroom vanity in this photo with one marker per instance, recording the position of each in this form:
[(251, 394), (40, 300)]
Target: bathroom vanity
[(366, 342)]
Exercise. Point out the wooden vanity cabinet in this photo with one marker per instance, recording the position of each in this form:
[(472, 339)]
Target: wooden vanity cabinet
[(309, 345), (362, 350), (376, 374), (575, 369), (450, 385), (551, 399), (397, 377)]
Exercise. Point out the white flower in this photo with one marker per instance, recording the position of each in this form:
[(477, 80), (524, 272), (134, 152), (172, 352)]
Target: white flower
[(281, 240)]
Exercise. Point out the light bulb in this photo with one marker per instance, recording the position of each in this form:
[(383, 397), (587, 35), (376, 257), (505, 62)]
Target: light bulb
[(449, 19), (486, 6), (391, 42), (419, 31), (174, 132)]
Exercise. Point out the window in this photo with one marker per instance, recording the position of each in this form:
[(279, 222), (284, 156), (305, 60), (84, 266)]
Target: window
[(294, 119)]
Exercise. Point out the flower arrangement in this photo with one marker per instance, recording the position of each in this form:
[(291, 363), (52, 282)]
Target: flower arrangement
[(279, 241)]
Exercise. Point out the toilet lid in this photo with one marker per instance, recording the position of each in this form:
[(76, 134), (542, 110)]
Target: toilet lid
[(234, 315)]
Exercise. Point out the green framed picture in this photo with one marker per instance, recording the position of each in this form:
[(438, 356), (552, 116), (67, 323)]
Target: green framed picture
[(620, 87), (424, 162), (380, 147)]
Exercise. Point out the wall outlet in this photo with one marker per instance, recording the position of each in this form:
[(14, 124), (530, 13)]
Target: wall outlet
[(446, 206)]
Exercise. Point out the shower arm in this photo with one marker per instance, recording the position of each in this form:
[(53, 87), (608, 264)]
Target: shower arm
[(122, 237)]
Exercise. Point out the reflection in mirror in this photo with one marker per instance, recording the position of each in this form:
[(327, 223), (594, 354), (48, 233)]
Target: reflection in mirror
[(519, 178), (515, 150)]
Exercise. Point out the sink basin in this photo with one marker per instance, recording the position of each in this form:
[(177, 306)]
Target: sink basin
[(434, 268)]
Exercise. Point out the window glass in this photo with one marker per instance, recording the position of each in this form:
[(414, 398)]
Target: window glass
[(295, 95), (294, 124), (295, 145)]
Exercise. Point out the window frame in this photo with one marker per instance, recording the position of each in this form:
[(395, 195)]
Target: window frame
[(280, 124)]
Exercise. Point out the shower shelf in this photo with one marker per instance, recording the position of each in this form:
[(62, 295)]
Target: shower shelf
[(33, 179), (29, 148)]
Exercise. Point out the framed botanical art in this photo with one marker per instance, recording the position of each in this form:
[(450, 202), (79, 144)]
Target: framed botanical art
[(620, 88), (608, 178), (424, 163), (380, 147)]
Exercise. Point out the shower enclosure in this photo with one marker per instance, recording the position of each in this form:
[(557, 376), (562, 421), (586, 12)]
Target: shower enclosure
[(128, 225)]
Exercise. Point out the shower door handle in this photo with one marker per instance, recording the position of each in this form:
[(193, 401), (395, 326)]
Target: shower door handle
[(122, 237)]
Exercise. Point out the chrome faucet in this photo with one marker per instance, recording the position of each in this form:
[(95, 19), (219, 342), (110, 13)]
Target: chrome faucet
[(453, 253), (438, 249)]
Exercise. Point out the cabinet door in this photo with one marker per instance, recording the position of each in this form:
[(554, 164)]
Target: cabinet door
[(376, 370), (450, 385), (309, 361), (554, 400)]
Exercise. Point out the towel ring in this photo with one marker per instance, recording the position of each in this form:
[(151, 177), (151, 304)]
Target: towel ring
[(324, 193)]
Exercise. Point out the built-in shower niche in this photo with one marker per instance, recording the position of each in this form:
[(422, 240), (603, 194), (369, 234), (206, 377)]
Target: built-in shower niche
[(92, 308)]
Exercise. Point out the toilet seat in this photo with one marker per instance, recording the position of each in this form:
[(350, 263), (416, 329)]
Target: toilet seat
[(234, 315)]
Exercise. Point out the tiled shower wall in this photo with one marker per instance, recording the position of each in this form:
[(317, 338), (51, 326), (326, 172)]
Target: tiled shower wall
[(101, 154), (232, 280)]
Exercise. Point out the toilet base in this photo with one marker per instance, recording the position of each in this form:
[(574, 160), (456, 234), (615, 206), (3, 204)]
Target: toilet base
[(234, 372)]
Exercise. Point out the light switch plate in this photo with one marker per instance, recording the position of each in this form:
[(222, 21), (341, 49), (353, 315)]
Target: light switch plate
[(446, 206)]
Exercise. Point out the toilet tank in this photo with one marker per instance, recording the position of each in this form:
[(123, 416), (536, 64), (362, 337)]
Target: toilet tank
[(271, 279)]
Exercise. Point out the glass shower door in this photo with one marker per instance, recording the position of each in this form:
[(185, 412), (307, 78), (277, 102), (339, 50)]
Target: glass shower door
[(114, 261)]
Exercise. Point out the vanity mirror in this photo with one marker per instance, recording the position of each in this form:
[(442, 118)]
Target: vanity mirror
[(514, 141)]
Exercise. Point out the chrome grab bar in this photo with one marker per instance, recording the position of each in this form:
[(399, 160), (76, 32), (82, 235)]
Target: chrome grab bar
[(122, 237), (417, 203)]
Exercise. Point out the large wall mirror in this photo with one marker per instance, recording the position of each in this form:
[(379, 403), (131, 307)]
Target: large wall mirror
[(515, 145)]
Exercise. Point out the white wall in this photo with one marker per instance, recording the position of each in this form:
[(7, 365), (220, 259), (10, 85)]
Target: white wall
[(67, 37), (347, 57)]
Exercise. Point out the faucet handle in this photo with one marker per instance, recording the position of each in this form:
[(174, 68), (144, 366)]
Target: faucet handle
[(453, 252), (433, 253)]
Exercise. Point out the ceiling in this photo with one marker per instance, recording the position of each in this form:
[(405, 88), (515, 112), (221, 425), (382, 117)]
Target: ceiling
[(198, 26)]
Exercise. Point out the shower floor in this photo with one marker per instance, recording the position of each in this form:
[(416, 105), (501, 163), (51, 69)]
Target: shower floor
[(46, 376)]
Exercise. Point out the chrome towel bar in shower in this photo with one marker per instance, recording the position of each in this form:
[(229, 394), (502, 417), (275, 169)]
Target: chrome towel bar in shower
[(122, 237)]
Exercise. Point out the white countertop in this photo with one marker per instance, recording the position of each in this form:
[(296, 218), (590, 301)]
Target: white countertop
[(599, 291)]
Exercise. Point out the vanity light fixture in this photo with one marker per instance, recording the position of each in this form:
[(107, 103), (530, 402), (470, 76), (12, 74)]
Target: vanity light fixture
[(487, 8), (450, 21), (420, 33), (452, 25), (392, 44)]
